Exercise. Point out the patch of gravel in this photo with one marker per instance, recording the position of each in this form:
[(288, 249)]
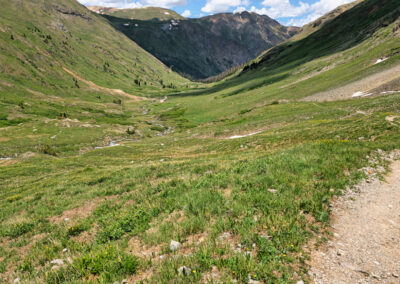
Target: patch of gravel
[(368, 85), (365, 247)]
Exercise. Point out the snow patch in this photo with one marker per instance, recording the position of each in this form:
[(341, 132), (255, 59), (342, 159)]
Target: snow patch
[(7, 158), (380, 60), (112, 144), (360, 95), (242, 136), (166, 13), (389, 92)]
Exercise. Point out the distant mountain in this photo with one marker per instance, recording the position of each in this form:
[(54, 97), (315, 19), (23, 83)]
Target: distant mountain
[(199, 48)]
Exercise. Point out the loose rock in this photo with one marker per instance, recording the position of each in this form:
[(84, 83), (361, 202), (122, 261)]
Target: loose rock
[(174, 245), (184, 270)]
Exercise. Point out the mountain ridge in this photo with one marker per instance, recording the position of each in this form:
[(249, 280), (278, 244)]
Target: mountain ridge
[(204, 47)]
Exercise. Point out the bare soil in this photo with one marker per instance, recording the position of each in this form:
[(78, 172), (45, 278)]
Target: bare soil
[(365, 247)]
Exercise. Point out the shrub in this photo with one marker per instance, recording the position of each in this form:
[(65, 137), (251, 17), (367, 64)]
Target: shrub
[(117, 101), (130, 131), (46, 149), (14, 198), (76, 230)]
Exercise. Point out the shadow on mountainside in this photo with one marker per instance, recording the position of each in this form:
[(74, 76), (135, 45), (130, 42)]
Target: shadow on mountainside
[(349, 29)]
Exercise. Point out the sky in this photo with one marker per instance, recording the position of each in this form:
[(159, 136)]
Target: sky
[(288, 12)]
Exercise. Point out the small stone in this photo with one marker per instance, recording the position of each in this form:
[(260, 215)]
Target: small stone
[(125, 281), (271, 190), (57, 262), (340, 252), (174, 245), (395, 275), (67, 219), (390, 206), (376, 276), (65, 250), (300, 282), (162, 256), (265, 236), (17, 280), (184, 270)]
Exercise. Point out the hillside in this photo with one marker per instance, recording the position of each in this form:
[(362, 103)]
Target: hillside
[(231, 182), (142, 14), (205, 47), (318, 23), (40, 39)]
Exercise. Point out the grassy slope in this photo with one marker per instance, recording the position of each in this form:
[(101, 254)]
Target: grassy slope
[(312, 27), (38, 39), (68, 34), (145, 14), (194, 186)]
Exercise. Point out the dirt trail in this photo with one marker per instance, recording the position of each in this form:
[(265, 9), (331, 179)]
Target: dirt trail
[(365, 85), (103, 89), (366, 243)]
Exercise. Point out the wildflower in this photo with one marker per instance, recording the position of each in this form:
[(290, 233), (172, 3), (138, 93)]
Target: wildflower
[(194, 271)]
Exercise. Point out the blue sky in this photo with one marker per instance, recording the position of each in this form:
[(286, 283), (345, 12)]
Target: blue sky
[(288, 12)]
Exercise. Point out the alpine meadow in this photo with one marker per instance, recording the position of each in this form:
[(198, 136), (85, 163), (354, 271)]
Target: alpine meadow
[(116, 167)]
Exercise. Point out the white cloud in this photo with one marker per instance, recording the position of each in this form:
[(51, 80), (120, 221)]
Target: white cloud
[(299, 14), (218, 6), (112, 3), (164, 3), (133, 3), (239, 10), (187, 14)]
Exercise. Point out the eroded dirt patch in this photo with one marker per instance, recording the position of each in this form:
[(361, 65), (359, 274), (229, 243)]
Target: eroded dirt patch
[(375, 84)]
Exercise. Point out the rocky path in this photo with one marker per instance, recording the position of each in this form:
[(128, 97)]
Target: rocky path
[(365, 247)]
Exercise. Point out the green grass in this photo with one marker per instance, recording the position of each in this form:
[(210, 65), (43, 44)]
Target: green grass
[(242, 208)]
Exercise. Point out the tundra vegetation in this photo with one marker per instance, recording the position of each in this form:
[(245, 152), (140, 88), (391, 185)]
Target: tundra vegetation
[(73, 209)]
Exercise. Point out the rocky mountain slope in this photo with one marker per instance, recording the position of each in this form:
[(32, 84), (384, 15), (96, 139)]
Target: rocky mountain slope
[(201, 48)]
